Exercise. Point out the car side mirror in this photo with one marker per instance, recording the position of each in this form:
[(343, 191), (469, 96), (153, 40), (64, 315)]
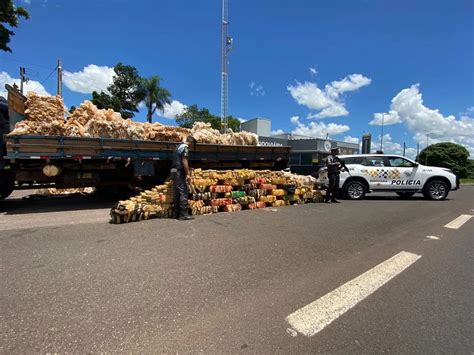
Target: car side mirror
[(416, 163)]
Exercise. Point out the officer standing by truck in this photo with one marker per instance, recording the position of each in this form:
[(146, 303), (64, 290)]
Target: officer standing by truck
[(334, 166), (181, 175)]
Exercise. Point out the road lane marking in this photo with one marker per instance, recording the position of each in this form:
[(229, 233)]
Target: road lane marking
[(433, 237), (315, 316), (458, 222)]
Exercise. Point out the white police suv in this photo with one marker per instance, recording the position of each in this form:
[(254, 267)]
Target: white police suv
[(391, 173)]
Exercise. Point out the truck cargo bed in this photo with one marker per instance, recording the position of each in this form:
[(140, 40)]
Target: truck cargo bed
[(52, 147)]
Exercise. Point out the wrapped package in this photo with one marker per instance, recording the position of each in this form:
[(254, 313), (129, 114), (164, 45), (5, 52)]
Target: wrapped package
[(221, 202), (220, 188), (267, 187), (280, 203), (268, 199), (278, 192), (233, 207)]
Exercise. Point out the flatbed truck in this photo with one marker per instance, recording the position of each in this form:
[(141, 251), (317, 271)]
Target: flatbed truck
[(32, 162)]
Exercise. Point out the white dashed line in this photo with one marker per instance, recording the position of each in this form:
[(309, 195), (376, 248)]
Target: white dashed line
[(314, 317), (458, 222), (432, 237)]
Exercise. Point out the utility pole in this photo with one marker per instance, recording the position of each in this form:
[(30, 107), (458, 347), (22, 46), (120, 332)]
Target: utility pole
[(226, 45), (404, 147), (426, 153), (417, 152), (23, 78), (381, 134), (59, 90)]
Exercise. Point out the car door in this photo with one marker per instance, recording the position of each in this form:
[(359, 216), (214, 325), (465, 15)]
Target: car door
[(404, 174), (376, 172)]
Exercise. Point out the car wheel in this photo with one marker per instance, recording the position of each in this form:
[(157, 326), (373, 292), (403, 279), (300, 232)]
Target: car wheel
[(405, 194), (355, 190), (436, 190)]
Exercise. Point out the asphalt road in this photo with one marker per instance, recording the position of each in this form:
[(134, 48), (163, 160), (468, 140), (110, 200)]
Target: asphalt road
[(71, 282)]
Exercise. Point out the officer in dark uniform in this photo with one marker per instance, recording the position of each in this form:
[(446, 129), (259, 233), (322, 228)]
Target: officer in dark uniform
[(180, 175), (334, 166)]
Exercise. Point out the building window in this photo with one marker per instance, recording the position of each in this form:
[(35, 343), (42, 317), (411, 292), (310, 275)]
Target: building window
[(294, 159), (306, 159)]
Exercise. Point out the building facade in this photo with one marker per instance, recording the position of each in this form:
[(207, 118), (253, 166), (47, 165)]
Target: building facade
[(260, 126), (307, 153)]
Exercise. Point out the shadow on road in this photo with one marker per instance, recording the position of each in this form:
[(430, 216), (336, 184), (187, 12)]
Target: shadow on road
[(390, 197), (30, 204)]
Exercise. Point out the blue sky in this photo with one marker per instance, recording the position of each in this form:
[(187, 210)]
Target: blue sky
[(343, 63)]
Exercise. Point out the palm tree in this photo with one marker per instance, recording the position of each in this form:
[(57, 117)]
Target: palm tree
[(155, 96)]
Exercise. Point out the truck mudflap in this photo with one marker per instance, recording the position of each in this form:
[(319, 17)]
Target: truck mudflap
[(7, 183)]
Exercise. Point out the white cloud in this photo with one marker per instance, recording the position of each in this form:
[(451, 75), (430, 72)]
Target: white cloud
[(278, 131), (391, 147), (242, 120), (295, 119), (172, 110), (91, 78), (328, 101), (317, 129), (422, 121), (256, 89), (332, 111), (31, 85), (27, 1), (351, 82), (350, 139), (388, 119), (313, 71)]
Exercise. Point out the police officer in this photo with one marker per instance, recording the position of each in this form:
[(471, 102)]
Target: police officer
[(334, 166), (180, 175)]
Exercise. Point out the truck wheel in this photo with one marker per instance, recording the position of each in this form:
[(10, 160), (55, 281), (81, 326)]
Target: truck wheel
[(7, 184), (436, 190), (405, 195), (355, 190)]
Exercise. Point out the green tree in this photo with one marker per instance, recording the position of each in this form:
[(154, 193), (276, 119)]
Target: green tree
[(125, 93), (9, 15), (155, 96), (193, 114), (448, 155), (233, 123), (470, 169)]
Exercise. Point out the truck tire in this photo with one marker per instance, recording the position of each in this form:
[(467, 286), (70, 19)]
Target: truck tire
[(405, 195), (355, 190), (436, 190), (7, 184)]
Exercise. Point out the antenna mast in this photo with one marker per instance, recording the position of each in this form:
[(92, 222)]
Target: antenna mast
[(226, 45)]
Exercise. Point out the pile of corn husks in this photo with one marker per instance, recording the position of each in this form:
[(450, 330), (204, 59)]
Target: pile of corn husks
[(214, 191), (46, 115)]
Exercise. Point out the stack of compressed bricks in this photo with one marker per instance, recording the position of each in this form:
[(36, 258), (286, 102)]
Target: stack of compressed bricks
[(220, 191), (154, 203)]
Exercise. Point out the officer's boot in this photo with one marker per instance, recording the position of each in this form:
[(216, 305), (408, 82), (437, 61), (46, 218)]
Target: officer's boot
[(183, 211)]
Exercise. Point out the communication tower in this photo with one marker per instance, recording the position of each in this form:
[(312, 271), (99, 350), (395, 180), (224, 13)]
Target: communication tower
[(226, 45)]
